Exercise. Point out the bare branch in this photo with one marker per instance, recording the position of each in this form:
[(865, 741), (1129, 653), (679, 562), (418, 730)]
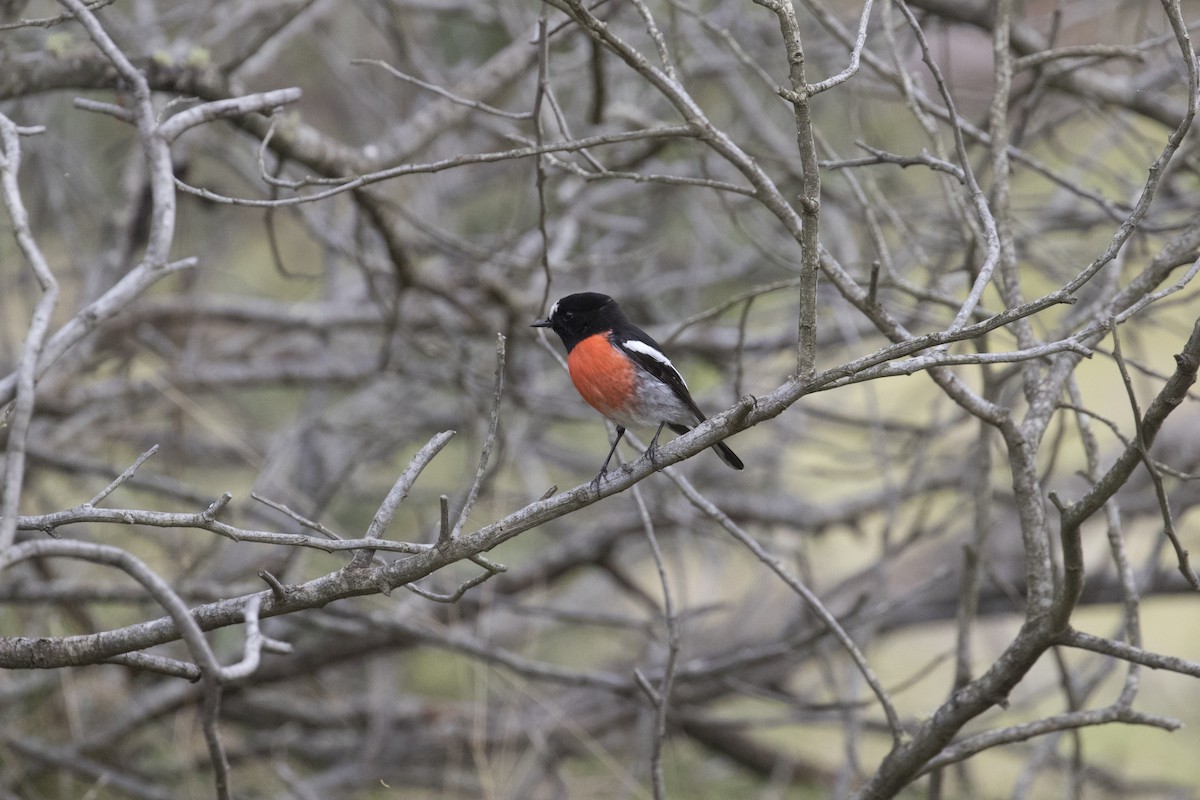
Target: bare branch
[(814, 603), (39, 324), (362, 251), (660, 697), (344, 185), (400, 490), (204, 520), (1168, 399), (158, 588), (300, 518), (262, 103), (810, 199), (1127, 652), (122, 478), (855, 55), (1061, 722), (50, 22), (489, 440)]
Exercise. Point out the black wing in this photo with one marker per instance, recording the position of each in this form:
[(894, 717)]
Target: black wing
[(646, 353)]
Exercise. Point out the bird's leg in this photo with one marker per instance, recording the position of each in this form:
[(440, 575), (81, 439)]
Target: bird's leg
[(604, 469), (653, 448)]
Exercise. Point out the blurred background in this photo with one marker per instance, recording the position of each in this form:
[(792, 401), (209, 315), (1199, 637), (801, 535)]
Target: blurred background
[(316, 347)]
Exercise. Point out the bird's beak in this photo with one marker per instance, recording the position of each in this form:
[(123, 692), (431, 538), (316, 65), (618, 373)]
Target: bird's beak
[(541, 323)]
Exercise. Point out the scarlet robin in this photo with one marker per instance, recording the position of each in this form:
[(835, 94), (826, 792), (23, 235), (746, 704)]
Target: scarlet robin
[(622, 372)]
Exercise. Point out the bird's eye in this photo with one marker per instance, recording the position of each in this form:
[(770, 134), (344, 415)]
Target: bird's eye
[(568, 314)]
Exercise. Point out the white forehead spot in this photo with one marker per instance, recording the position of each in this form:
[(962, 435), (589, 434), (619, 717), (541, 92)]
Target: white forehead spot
[(553, 310), (647, 350)]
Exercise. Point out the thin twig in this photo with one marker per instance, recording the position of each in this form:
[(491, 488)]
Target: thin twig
[(810, 186), (344, 185), (660, 698), (443, 520), (256, 643), (1034, 60), (399, 491), (458, 593), (880, 156), (1071, 720), (488, 442), (204, 520), (50, 22), (124, 476), (442, 92), (1154, 297), (1160, 491), (851, 69), (169, 600), (261, 103), (656, 36), (1129, 652), (977, 197), (35, 336), (311, 524), (539, 133), (99, 107), (807, 595)]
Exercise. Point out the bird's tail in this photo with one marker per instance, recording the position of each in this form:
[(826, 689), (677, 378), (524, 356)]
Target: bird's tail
[(727, 455)]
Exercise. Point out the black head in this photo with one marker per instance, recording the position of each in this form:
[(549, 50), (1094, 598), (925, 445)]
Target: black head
[(578, 316)]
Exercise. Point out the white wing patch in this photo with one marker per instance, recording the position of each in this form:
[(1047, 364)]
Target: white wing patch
[(647, 350)]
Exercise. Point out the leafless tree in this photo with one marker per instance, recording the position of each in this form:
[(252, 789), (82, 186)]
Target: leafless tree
[(267, 305)]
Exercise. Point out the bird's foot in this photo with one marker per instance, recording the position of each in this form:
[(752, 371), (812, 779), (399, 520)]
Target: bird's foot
[(599, 479)]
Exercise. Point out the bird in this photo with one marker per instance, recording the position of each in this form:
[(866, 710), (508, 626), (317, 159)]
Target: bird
[(620, 371)]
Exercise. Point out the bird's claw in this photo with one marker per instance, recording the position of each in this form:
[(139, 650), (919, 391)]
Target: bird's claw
[(599, 479)]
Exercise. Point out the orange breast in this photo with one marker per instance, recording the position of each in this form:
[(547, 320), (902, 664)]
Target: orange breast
[(604, 378)]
